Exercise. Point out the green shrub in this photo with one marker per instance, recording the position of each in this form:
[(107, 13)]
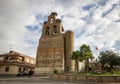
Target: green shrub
[(112, 71), (55, 71)]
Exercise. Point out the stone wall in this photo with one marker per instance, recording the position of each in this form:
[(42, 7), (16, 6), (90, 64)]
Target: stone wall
[(69, 48), (13, 69), (50, 54), (55, 47), (113, 79)]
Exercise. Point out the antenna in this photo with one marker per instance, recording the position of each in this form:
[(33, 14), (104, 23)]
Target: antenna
[(11, 46)]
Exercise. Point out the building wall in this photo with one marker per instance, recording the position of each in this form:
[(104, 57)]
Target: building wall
[(13, 69), (50, 54), (81, 66), (95, 79), (69, 48), (30, 60)]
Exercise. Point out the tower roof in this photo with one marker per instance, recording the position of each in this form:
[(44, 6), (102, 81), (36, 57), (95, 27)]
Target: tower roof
[(54, 13)]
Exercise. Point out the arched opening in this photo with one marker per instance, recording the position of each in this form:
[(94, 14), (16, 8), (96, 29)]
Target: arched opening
[(54, 29), (47, 31), (51, 20)]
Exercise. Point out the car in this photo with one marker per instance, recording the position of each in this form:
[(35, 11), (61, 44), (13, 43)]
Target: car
[(22, 74)]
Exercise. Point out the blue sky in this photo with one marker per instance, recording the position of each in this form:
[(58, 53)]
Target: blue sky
[(94, 22)]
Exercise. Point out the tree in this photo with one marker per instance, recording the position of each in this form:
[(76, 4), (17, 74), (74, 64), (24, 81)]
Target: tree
[(109, 58), (118, 60), (76, 56), (86, 54)]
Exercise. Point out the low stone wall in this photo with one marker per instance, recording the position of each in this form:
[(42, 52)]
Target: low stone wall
[(113, 79)]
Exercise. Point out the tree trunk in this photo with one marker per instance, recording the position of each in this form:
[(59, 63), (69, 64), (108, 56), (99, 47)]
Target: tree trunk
[(111, 66), (102, 66), (76, 65)]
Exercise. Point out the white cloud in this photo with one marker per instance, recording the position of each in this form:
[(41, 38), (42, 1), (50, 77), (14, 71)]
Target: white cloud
[(89, 26), (72, 23)]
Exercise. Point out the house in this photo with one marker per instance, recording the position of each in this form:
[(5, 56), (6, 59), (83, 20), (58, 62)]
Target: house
[(13, 62)]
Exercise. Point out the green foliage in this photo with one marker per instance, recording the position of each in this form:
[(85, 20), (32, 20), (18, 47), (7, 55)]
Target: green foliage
[(86, 54), (55, 71), (112, 71), (76, 56), (109, 58)]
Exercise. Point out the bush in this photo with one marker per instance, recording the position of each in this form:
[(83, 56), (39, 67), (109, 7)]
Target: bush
[(112, 71), (55, 71)]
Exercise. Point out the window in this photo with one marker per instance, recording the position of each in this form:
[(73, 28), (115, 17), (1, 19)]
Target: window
[(6, 69), (1, 58), (19, 70), (32, 62), (51, 20), (28, 60), (54, 29), (23, 59), (0, 69), (24, 69), (47, 31), (8, 58)]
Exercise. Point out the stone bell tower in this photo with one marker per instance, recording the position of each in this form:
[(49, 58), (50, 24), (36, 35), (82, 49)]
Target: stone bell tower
[(51, 52)]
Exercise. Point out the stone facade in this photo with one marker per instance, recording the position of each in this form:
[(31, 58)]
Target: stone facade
[(55, 47), (95, 79)]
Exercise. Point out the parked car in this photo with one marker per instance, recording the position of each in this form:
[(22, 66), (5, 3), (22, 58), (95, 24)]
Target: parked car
[(22, 74)]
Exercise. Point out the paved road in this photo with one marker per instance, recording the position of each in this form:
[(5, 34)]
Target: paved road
[(38, 80)]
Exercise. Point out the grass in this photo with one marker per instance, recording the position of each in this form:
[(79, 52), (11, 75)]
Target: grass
[(115, 73)]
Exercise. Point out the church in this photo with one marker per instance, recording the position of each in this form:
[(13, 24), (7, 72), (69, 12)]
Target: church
[(55, 47)]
